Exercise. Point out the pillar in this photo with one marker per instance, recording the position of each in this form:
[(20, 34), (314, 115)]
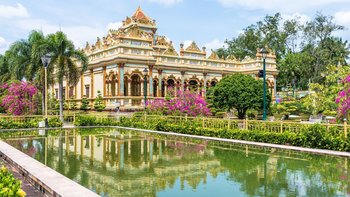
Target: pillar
[(121, 79), (165, 88), (129, 87), (275, 86), (182, 81), (82, 88), (92, 82), (150, 92), (160, 83), (205, 84), (104, 81)]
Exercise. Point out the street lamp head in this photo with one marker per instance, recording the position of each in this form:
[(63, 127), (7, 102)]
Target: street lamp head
[(263, 52), (145, 72), (46, 59)]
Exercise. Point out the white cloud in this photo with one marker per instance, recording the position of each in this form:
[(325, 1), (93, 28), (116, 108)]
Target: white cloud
[(166, 2), (302, 18), (342, 18), (13, 11), (79, 34), (115, 25), (278, 5), (214, 44)]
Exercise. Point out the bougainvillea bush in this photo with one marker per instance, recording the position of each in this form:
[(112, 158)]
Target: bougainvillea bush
[(186, 103), (17, 97), (343, 99)]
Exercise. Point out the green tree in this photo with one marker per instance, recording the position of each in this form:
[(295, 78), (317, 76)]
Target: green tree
[(24, 59), (5, 73), (98, 103), (322, 96), (239, 91), (85, 104), (64, 57), (297, 68)]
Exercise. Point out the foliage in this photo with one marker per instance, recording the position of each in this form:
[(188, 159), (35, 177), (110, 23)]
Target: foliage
[(303, 51), (17, 98), (186, 102), (322, 96), (53, 103), (9, 185), (22, 122), (64, 58), (98, 103), (289, 106), (240, 92), (85, 104)]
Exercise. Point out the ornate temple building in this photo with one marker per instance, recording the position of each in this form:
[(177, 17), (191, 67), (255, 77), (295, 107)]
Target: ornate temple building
[(117, 62)]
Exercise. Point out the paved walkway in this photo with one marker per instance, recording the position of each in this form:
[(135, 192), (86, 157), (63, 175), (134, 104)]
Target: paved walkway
[(52, 182)]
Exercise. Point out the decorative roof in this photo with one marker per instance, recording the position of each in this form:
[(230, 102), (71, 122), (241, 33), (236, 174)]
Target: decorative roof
[(247, 59), (139, 17), (161, 40), (231, 58), (213, 56), (170, 50), (193, 47)]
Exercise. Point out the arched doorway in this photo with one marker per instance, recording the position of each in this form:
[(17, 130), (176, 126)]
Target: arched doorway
[(171, 87), (135, 85), (155, 87), (193, 85), (126, 86), (213, 83)]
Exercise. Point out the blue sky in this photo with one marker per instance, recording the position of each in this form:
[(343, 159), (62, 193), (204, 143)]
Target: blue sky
[(208, 22)]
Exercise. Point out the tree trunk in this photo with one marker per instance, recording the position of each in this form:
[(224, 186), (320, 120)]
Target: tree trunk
[(60, 89)]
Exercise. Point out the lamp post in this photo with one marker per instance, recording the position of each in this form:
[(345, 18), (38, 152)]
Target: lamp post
[(264, 52), (145, 73), (46, 59)]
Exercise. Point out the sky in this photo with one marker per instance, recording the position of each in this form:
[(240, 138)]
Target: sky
[(208, 22)]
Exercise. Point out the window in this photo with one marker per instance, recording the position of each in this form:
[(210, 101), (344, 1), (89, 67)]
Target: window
[(71, 92), (87, 91)]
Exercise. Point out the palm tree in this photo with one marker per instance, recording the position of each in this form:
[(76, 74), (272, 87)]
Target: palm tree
[(4, 67), (25, 60), (64, 59)]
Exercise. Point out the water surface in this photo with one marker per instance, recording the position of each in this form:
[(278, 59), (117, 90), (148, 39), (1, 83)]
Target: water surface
[(121, 163)]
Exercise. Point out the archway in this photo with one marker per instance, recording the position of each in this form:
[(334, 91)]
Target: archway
[(213, 83), (126, 86), (193, 85), (171, 87), (135, 85), (155, 87)]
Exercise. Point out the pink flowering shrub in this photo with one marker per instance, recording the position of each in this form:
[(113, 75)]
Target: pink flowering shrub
[(17, 98), (156, 106), (185, 103), (343, 99)]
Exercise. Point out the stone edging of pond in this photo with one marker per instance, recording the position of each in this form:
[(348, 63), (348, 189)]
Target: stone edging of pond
[(50, 182)]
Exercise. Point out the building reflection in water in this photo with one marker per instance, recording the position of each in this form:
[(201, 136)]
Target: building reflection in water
[(139, 164)]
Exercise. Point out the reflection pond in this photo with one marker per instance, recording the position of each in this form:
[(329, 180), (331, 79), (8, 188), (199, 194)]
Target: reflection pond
[(114, 162)]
